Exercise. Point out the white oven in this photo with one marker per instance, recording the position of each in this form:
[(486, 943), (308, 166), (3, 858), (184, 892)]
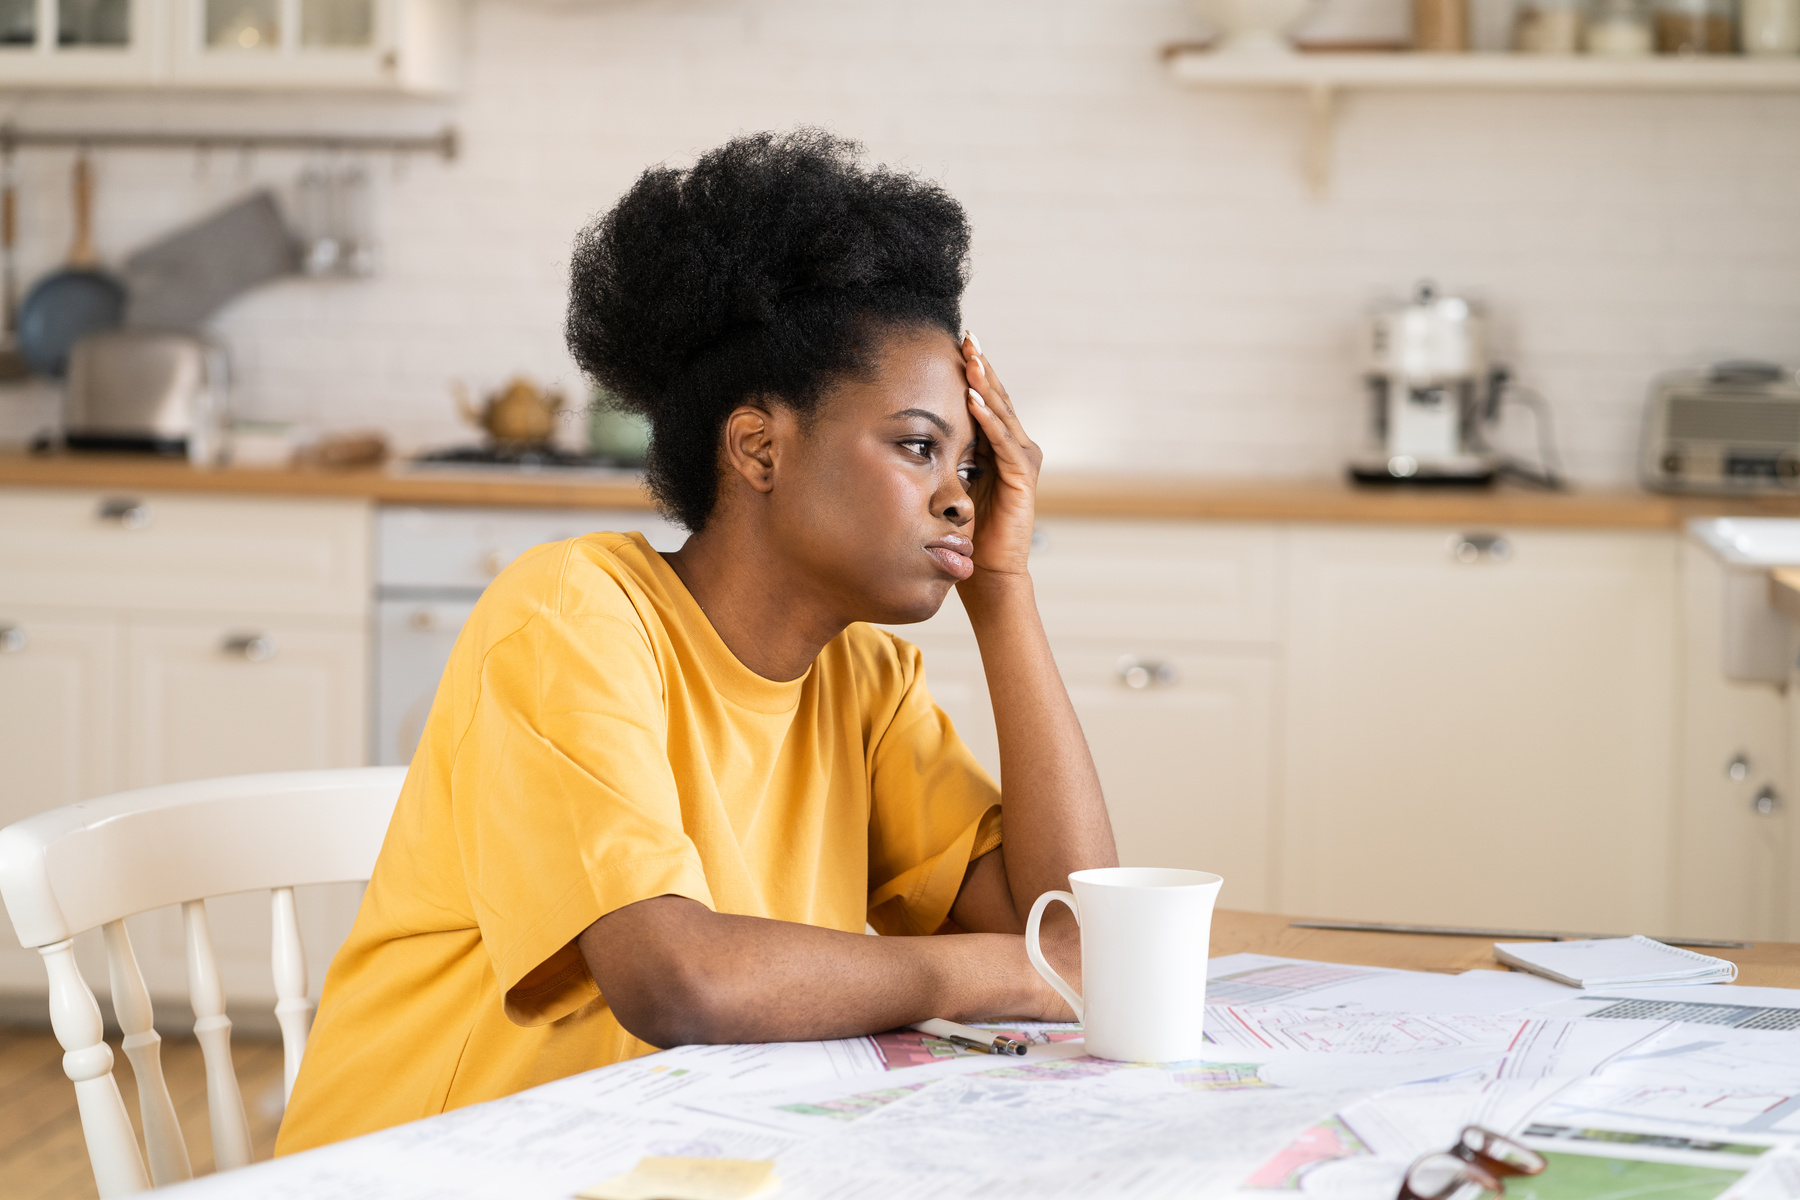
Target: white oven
[(431, 565)]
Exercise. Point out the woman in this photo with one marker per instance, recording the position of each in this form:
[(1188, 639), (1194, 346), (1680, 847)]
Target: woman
[(659, 795)]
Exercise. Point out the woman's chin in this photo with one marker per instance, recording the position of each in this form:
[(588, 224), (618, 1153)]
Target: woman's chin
[(920, 603)]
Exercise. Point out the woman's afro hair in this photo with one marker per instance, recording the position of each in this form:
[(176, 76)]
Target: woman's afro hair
[(767, 269)]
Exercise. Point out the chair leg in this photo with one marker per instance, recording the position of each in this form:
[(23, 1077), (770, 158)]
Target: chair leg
[(88, 1061), (163, 1143), (212, 1028)]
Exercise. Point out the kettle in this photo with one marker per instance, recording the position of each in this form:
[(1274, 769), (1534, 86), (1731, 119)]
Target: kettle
[(520, 414)]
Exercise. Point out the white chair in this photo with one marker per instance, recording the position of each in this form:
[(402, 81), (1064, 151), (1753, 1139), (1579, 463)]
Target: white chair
[(94, 864)]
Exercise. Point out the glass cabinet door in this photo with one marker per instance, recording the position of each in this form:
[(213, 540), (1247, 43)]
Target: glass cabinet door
[(93, 23), (18, 22), (337, 24), (243, 25)]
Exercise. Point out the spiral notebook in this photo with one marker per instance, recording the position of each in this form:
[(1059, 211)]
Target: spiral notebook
[(1615, 962)]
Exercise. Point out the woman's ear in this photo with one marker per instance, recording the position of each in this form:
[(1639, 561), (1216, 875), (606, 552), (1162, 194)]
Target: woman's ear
[(750, 445)]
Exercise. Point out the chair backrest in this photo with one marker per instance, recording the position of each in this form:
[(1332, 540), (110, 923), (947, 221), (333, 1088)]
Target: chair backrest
[(91, 865)]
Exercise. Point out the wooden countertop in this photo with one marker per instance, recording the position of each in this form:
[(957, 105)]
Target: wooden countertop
[(1068, 495), (1784, 590), (1765, 964)]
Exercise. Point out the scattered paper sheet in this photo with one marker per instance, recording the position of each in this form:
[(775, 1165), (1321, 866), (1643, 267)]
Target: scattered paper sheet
[(672, 1178), (1327, 1093)]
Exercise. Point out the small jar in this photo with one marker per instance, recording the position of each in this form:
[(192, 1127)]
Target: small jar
[(1694, 27), (1770, 27), (1621, 29), (1549, 27)]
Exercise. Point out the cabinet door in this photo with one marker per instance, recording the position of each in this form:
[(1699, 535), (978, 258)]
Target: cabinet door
[(57, 728), (1184, 758), (202, 701), (1729, 855), (210, 698), (1484, 742), (1184, 743), (79, 42)]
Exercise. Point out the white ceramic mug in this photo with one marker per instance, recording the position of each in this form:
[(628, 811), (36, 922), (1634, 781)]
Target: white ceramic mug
[(1144, 938)]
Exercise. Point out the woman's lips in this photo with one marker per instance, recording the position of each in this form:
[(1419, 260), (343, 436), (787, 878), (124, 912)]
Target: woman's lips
[(952, 554)]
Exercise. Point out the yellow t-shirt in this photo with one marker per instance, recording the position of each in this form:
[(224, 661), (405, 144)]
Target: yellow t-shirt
[(594, 743)]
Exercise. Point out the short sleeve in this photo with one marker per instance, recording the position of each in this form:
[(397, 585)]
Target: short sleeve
[(933, 811), (565, 804)]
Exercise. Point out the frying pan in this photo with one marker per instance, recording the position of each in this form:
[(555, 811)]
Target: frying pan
[(78, 299)]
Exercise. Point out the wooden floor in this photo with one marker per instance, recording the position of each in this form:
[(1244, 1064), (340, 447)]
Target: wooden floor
[(42, 1155)]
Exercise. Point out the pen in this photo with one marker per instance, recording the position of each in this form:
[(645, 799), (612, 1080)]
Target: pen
[(970, 1039)]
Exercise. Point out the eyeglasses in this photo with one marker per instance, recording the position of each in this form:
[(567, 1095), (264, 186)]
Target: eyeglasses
[(1479, 1163)]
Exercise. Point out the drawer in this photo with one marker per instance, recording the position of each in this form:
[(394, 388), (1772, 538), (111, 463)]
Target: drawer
[(464, 548), (1157, 579), (163, 551)]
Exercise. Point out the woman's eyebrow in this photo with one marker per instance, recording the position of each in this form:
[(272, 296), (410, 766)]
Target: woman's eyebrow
[(920, 412)]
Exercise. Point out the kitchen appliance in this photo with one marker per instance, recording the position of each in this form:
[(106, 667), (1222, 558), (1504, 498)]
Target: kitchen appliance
[(147, 389), (431, 566), (1431, 390), (1732, 428)]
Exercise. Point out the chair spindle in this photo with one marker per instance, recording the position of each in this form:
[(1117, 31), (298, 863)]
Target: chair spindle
[(165, 1147), (293, 1011), (212, 1028), (87, 1061)]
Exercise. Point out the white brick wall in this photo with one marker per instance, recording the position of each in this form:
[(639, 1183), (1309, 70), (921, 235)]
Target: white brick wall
[(1150, 274)]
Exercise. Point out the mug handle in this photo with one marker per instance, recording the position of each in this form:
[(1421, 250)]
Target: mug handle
[(1037, 956)]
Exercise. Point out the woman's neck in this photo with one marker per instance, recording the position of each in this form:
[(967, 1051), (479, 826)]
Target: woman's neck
[(760, 606)]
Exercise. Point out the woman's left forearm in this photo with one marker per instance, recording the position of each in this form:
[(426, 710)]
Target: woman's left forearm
[(1055, 814)]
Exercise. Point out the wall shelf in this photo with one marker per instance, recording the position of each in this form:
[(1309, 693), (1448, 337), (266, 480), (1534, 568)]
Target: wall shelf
[(1322, 77)]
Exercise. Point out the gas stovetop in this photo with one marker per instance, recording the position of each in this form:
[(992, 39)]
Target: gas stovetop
[(512, 459)]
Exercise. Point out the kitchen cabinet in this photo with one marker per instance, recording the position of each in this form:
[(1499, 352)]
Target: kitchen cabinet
[(1179, 712), (408, 46), (58, 726), (218, 697), (158, 638), (1480, 728), (1731, 852)]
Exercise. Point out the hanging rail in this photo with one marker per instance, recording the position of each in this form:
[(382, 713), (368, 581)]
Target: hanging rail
[(443, 144)]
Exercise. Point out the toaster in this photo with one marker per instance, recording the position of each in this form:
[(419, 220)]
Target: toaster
[(1734, 428), (157, 390)]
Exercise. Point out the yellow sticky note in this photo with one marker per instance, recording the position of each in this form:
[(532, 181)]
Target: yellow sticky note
[(688, 1179)]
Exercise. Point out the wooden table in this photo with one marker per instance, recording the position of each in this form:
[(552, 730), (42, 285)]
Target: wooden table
[(1765, 964)]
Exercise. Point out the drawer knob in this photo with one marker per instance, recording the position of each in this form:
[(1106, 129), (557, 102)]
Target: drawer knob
[(251, 647), (1766, 802), (124, 512), (12, 639), (1141, 673), (1473, 547), (1738, 769)]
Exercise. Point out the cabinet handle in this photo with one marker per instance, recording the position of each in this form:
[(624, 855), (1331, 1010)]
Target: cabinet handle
[(1140, 673), (1766, 802), (251, 647), (1039, 539), (1473, 547), (12, 639), (1738, 769), (127, 513)]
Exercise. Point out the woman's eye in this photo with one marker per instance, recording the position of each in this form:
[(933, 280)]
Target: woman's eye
[(919, 446), (969, 473)]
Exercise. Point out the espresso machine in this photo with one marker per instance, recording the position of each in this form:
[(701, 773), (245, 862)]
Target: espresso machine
[(1431, 391)]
